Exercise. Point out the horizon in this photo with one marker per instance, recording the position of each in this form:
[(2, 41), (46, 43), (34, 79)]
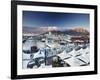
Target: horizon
[(60, 20), (58, 28)]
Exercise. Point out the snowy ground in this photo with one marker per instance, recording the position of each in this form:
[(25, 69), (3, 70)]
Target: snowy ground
[(69, 54)]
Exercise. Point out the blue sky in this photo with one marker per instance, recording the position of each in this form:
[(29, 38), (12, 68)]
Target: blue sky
[(61, 20)]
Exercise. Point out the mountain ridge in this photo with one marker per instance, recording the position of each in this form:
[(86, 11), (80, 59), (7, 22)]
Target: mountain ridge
[(55, 30)]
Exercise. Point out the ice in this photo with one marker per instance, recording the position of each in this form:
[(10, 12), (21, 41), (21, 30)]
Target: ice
[(38, 54), (69, 53), (26, 56), (63, 55), (45, 66), (76, 58), (24, 64)]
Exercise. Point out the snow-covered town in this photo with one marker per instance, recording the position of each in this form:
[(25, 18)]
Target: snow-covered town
[(53, 49)]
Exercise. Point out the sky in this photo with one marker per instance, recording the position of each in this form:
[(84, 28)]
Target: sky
[(60, 20)]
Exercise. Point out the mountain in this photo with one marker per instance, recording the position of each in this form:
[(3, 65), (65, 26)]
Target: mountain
[(73, 32), (34, 30), (81, 30), (55, 30), (39, 30)]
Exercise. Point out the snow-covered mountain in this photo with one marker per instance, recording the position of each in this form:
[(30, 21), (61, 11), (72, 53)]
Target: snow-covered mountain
[(54, 29)]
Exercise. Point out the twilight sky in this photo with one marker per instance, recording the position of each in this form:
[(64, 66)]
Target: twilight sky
[(61, 20)]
